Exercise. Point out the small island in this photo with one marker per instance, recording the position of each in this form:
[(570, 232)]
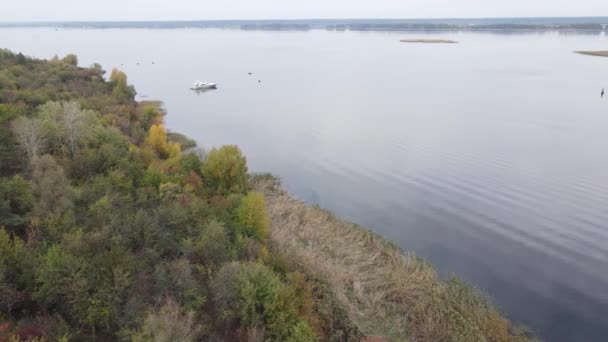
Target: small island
[(593, 53), (429, 41)]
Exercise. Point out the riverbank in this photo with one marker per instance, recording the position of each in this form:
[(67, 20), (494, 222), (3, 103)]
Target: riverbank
[(593, 53), (384, 291)]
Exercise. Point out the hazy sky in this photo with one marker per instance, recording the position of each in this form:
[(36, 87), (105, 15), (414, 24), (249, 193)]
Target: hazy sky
[(36, 10)]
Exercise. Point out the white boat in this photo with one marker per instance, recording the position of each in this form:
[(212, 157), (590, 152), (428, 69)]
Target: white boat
[(198, 85)]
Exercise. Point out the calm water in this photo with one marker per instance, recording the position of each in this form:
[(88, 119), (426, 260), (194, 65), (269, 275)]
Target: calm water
[(489, 158)]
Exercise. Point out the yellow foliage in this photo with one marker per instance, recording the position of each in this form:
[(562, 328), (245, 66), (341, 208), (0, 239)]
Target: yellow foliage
[(175, 150), (252, 214), (225, 170), (157, 139)]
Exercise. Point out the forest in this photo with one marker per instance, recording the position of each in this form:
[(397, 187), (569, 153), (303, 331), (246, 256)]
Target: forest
[(112, 228)]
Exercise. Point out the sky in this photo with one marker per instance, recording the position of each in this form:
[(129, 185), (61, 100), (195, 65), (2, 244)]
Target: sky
[(102, 10)]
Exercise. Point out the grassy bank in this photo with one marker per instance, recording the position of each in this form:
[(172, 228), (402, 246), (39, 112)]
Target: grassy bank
[(385, 292), (593, 53)]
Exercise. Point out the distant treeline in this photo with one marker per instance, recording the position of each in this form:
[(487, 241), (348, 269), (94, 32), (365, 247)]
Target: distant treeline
[(277, 27), (584, 23), (475, 27)]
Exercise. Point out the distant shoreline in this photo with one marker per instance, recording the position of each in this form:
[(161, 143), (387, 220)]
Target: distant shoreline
[(587, 24), (593, 53), (429, 41)]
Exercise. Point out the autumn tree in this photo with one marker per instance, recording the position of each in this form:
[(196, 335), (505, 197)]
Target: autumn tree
[(225, 170), (29, 134), (157, 139), (252, 215), (167, 324), (122, 90), (77, 124)]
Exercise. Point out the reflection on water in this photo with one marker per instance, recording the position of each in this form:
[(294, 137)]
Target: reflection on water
[(486, 157), (203, 91)]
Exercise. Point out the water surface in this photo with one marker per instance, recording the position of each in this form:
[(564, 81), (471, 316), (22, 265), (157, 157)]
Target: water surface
[(487, 157)]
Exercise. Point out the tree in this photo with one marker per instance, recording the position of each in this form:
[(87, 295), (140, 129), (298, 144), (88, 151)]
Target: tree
[(252, 295), (77, 124), (121, 89), (50, 187), (16, 202), (70, 59), (245, 292), (67, 125), (225, 170), (97, 68), (55, 275), (211, 246), (252, 214), (12, 257), (167, 324), (29, 136), (157, 139)]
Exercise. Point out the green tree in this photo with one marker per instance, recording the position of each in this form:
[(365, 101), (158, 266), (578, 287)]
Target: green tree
[(252, 215), (211, 246), (50, 187), (225, 170), (245, 292), (16, 202), (97, 68), (55, 276), (252, 295), (12, 262)]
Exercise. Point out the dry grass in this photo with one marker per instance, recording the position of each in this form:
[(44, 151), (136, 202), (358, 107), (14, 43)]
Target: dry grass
[(593, 53), (429, 41), (384, 291)]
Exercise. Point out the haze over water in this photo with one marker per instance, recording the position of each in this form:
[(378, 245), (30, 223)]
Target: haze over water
[(488, 157)]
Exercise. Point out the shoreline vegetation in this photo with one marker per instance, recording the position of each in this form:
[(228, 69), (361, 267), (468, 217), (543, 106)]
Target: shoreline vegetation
[(385, 292), (114, 229), (593, 53), (429, 41)]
